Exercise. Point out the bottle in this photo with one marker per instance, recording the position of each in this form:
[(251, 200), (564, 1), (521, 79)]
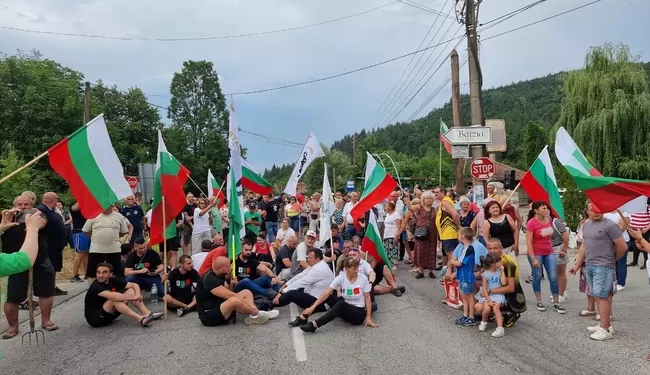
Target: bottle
[(154, 293)]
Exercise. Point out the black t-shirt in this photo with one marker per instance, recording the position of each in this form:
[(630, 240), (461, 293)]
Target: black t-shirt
[(246, 270), (94, 302), (54, 231), (181, 284), (13, 238), (78, 219), (205, 300), (272, 209), (150, 260), (134, 215), (283, 253), (189, 210)]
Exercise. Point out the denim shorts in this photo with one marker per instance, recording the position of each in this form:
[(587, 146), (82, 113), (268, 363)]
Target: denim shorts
[(466, 288), (600, 281), (448, 246)]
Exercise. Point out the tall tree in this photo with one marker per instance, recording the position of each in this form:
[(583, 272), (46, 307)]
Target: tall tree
[(535, 138), (607, 111), (199, 119)]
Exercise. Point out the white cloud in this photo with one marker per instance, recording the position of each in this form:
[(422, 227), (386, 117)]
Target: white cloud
[(331, 108)]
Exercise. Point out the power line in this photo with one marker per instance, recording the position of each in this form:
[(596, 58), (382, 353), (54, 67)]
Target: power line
[(515, 12), (196, 38), (424, 8)]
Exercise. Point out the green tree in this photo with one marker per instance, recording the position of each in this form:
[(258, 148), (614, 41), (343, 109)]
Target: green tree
[(199, 120), (535, 139), (18, 183)]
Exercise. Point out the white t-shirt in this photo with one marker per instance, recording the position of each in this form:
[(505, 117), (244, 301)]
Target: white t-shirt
[(381, 212), (615, 217), (105, 233), (201, 223), (346, 212), (400, 208), (283, 235), (353, 293), (365, 268), (390, 224), (148, 216)]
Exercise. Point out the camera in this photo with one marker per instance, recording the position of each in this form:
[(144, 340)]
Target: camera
[(22, 215)]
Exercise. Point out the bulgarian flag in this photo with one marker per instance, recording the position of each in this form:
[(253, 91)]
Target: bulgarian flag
[(443, 130), (378, 186), (214, 190), (606, 193), (87, 161), (169, 179), (235, 192), (372, 243), (540, 184), (253, 181)]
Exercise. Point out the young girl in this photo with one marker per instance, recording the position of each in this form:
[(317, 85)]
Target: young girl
[(464, 260), (493, 277)]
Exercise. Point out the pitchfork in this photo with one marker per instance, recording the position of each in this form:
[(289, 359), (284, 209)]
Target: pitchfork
[(32, 332)]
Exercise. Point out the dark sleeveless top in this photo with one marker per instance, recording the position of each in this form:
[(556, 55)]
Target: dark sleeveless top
[(503, 232)]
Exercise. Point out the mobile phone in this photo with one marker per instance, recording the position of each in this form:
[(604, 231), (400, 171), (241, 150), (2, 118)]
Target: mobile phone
[(22, 215)]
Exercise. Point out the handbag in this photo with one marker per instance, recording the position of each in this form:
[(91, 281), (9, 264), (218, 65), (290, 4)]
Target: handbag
[(422, 232)]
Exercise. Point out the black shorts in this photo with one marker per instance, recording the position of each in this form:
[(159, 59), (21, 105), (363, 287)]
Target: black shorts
[(114, 259), (186, 234), (101, 318), (43, 282), (214, 318), (56, 257), (172, 245), (448, 246), (379, 273)]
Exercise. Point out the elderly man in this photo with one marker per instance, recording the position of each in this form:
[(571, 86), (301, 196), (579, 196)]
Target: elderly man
[(105, 231), (14, 263), (55, 234), (299, 257), (12, 241)]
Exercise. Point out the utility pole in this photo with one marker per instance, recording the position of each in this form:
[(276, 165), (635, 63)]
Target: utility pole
[(354, 148), (475, 75), (87, 103), (455, 110)]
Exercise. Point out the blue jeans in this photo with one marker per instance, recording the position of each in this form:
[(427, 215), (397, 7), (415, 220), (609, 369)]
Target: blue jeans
[(271, 231), (294, 223), (258, 286), (621, 266), (600, 280), (350, 231), (146, 282), (550, 264)]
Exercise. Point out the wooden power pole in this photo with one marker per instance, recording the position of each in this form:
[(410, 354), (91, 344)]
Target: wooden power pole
[(87, 103), (455, 109), (354, 148), (475, 76)]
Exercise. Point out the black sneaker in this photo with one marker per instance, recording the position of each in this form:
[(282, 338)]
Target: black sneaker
[(373, 307), (308, 327), (182, 311), (76, 279), (59, 292), (297, 322), (432, 275), (402, 288)]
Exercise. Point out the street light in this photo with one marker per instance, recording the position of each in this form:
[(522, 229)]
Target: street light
[(379, 156)]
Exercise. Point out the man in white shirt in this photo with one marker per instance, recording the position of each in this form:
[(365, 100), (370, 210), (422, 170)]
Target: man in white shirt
[(198, 258), (306, 287), (105, 231), (299, 257), (348, 221), (381, 216)]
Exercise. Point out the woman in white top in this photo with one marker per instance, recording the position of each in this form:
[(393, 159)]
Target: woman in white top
[(392, 222), (355, 308), (202, 221), (283, 234)]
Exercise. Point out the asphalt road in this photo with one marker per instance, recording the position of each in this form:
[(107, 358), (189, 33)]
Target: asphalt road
[(416, 336)]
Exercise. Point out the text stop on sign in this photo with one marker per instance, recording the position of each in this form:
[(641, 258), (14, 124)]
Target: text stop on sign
[(482, 169)]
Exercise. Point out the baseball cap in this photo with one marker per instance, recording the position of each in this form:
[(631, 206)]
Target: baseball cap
[(311, 233), (252, 205)]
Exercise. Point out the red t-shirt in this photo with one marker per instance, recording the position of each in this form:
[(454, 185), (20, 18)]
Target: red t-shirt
[(542, 234), (510, 211), (209, 259), (260, 250)]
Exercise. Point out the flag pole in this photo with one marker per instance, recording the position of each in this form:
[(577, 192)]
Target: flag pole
[(233, 252), (197, 186), (440, 163), (164, 244), (512, 192)]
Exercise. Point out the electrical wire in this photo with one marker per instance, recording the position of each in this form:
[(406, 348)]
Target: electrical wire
[(424, 8), (196, 38), (515, 12)]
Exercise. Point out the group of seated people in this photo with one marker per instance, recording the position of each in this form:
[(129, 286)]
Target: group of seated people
[(345, 280)]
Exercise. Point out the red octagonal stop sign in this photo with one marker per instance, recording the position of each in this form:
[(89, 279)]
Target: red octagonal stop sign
[(482, 169), (133, 181)]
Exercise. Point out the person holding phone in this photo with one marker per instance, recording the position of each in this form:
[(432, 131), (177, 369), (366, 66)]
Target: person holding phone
[(11, 264)]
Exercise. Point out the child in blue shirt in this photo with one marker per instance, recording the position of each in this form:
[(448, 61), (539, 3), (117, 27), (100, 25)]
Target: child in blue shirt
[(492, 278), (464, 261)]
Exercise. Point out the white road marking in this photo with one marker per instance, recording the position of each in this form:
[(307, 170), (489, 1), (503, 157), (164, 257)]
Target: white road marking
[(298, 339)]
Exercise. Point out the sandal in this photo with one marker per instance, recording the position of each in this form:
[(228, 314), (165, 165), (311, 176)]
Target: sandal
[(587, 313), (146, 320), (408, 261), (6, 335), (50, 327)]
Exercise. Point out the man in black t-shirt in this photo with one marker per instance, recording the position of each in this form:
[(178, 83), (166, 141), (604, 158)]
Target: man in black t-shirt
[(271, 209), (181, 280), (283, 258), (80, 242), (144, 266), (134, 214), (216, 302), (248, 271), (188, 224), (108, 297), (55, 234)]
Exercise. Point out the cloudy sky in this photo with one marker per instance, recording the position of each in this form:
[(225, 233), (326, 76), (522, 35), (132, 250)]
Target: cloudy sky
[(330, 108)]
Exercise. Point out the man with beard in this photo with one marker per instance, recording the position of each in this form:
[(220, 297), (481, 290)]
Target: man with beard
[(248, 271), (181, 280)]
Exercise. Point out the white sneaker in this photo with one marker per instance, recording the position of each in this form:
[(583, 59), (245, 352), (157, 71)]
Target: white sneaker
[(260, 318), (561, 299), (597, 317), (482, 327), (620, 288), (499, 332), (273, 314), (601, 334), (593, 329)]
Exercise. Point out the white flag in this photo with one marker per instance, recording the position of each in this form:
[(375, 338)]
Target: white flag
[(235, 192), (311, 151), (326, 210)]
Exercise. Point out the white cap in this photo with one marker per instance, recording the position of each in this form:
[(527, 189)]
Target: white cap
[(311, 233)]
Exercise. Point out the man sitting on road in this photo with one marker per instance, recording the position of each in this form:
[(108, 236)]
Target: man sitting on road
[(216, 302), (248, 271), (299, 257), (108, 298), (283, 258), (144, 266), (218, 250), (181, 297), (307, 286), (198, 258)]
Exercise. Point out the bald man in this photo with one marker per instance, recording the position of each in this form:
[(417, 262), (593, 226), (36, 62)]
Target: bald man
[(54, 232), (216, 303)]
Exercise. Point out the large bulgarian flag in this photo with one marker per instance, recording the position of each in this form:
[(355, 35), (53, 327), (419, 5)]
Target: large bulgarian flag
[(87, 161), (379, 184), (372, 243), (443, 140), (606, 193), (169, 178), (540, 184), (253, 181), (214, 190)]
